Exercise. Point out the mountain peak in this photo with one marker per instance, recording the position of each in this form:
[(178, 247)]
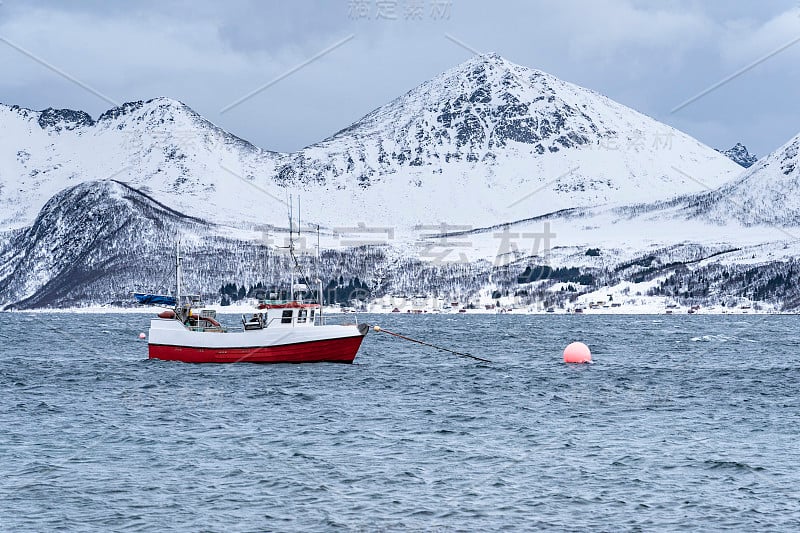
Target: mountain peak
[(491, 68), (63, 119), (490, 57), (52, 119), (162, 107), (739, 154)]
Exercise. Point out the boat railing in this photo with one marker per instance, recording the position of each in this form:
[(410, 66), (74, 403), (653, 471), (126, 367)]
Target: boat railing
[(260, 321), (333, 320), (272, 301), (321, 320), (214, 329)]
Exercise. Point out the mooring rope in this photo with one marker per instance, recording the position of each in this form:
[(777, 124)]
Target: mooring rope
[(379, 329)]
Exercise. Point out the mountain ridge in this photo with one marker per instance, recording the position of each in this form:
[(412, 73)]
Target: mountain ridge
[(462, 147)]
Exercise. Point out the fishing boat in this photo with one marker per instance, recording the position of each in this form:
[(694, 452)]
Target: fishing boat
[(278, 331)]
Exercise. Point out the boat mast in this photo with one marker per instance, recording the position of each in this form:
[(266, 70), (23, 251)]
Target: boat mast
[(294, 264), (294, 259), (319, 279), (291, 251), (299, 236), (178, 272)]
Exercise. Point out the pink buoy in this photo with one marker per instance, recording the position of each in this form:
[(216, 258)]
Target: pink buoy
[(142, 336), (577, 352)]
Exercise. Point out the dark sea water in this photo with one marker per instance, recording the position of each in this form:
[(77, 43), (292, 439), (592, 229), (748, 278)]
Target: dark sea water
[(682, 422)]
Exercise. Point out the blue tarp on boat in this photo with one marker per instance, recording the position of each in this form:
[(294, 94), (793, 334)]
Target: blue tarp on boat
[(154, 299)]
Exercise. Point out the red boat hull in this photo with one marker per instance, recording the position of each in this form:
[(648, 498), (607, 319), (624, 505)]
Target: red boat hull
[(341, 350)]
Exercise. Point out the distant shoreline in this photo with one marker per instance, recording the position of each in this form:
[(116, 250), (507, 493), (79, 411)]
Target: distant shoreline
[(238, 310)]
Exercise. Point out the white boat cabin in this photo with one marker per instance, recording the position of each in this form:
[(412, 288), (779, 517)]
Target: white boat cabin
[(283, 315)]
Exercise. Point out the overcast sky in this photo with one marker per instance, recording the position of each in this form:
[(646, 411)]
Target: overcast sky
[(649, 55)]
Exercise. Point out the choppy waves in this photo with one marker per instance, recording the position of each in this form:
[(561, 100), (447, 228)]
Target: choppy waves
[(682, 423)]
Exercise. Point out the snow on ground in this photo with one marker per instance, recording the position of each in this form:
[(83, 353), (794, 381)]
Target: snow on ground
[(564, 240), (597, 302)]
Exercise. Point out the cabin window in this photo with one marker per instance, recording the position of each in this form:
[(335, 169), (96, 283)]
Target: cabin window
[(286, 317), (311, 316), (301, 316)]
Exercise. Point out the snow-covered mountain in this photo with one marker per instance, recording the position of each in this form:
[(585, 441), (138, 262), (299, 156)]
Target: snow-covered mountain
[(95, 242), (487, 141), (90, 209), (739, 155), (160, 146), (88, 238), (768, 193), (99, 241), (490, 140)]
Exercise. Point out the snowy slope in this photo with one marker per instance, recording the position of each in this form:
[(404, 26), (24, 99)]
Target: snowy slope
[(485, 142), (753, 218), (87, 234), (161, 146), (768, 193), (96, 242)]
